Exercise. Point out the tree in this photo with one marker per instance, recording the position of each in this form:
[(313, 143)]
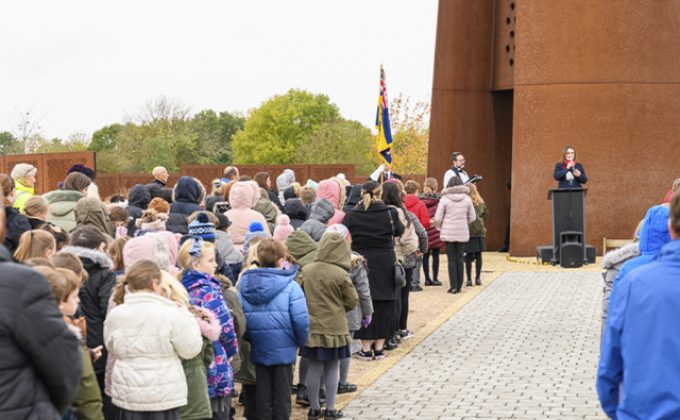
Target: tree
[(273, 132), (163, 110), (9, 144), (215, 133), (77, 142), (410, 135), (105, 138), (28, 130), (340, 141)]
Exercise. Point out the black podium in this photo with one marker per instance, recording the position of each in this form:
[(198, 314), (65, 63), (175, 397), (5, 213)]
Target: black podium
[(568, 228)]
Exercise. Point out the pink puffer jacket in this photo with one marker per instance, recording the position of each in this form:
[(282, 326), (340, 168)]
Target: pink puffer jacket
[(242, 198), (332, 190), (454, 214)]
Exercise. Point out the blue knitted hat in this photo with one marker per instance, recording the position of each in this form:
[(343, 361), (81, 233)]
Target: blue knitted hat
[(202, 228)]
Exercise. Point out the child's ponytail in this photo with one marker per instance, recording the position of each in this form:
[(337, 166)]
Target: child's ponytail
[(34, 243), (119, 291)]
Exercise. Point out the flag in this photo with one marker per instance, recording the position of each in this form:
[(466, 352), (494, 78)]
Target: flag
[(382, 123)]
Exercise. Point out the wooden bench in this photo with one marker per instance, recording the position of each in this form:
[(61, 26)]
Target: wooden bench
[(608, 244)]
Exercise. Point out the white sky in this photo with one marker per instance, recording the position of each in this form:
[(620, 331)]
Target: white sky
[(83, 64)]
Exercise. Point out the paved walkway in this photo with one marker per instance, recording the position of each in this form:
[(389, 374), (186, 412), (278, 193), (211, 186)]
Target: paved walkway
[(526, 347)]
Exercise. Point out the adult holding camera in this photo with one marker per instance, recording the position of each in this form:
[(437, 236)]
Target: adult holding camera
[(568, 172)]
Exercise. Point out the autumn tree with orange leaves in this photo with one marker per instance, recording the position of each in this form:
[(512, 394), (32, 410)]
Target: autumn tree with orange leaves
[(410, 134)]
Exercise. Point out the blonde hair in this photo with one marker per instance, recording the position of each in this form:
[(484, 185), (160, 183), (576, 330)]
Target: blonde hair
[(140, 276), (172, 289), (36, 205), (368, 197), (474, 194), (296, 188), (186, 260), (34, 243), (430, 186), (676, 186)]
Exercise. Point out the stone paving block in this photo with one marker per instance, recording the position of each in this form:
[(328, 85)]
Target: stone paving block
[(526, 347)]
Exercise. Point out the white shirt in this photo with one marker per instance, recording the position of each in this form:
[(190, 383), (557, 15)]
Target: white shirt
[(450, 174)]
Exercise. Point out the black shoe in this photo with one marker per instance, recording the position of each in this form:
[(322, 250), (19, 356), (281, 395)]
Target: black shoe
[(452, 291), (293, 389), (379, 354), (390, 344), (429, 282), (302, 398), (332, 414), (436, 283), (313, 414), (416, 288), (241, 398), (469, 283), (478, 282), (346, 388), (366, 356)]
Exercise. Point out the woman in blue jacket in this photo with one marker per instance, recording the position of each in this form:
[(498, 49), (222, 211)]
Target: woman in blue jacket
[(568, 172), (278, 323)]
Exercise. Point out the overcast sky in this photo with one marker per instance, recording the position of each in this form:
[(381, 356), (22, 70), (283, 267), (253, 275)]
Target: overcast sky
[(82, 64)]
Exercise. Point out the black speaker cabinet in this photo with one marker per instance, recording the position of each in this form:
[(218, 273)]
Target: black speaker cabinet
[(571, 255)]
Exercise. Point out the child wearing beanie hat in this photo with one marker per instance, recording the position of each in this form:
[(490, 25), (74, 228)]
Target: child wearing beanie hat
[(202, 227), (283, 228), (254, 229)]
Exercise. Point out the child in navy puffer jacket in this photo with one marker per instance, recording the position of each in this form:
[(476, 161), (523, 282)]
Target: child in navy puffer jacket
[(278, 323)]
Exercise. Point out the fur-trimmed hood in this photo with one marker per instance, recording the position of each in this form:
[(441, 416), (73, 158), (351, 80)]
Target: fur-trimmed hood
[(617, 256), (93, 255), (457, 193)]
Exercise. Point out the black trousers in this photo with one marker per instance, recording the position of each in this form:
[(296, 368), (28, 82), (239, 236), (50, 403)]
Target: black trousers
[(477, 257), (249, 407), (403, 301), (272, 391), (454, 253), (434, 253)]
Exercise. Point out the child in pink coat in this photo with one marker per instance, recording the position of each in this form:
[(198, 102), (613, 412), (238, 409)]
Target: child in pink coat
[(283, 228), (332, 190)]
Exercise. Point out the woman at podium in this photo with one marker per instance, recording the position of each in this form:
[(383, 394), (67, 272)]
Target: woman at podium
[(569, 173)]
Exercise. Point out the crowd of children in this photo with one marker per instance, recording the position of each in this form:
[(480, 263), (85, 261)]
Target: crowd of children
[(173, 295)]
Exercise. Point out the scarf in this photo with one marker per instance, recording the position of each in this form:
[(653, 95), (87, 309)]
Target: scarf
[(570, 176)]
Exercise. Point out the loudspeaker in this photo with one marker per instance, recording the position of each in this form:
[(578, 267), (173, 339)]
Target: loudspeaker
[(571, 255), (590, 254), (544, 254)]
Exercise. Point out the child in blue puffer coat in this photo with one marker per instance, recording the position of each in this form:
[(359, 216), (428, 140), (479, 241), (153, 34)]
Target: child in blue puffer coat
[(278, 323)]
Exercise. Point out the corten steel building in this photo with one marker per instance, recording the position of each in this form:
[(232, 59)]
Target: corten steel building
[(515, 81)]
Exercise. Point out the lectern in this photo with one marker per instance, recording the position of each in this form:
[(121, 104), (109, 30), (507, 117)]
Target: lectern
[(568, 226)]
